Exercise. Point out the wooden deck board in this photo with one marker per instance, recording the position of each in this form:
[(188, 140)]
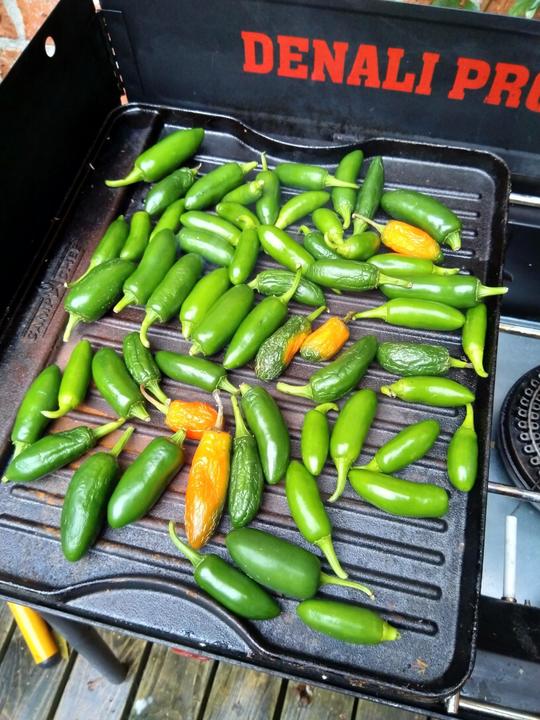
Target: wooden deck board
[(376, 711), (305, 702), (6, 628), (241, 693)]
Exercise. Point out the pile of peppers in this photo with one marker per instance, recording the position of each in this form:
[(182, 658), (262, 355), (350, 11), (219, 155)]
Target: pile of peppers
[(159, 260)]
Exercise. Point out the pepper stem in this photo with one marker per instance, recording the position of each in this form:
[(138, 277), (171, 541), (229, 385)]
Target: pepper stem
[(122, 441), (485, 291), (304, 391), (387, 280), (389, 632), (326, 407), (378, 227), (195, 170), (139, 411), (315, 314), (218, 425), (454, 362), (78, 280), (468, 423), (342, 467), (108, 428), (72, 323), (348, 317), (19, 447), (192, 555), (248, 167), (241, 429), (286, 297), (380, 312), (153, 387), (55, 414), (325, 579), (264, 162), (453, 240), (226, 385), (332, 181), (148, 320), (163, 407), (304, 229), (195, 349), (244, 388), (132, 177), (123, 303), (178, 437), (387, 390), (327, 547), (372, 465), (438, 270)]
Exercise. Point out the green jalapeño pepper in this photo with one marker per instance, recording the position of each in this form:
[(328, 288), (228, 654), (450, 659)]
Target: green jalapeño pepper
[(199, 301), (247, 193), (474, 337), (31, 419), (408, 267), (194, 371), (170, 220), (348, 623), (117, 386), (266, 422), (75, 380), (267, 206), (278, 351), (399, 497), (52, 452), (328, 223), (227, 585), (213, 249), (280, 565), (211, 188), (145, 480), (166, 300), (257, 326), (417, 314), (85, 504), (166, 191), (197, 220), (369, 195), (315, 438), (142, 366), (163, 157), (463, 454), (309, 514), (276, 282), (460, 291), (349, 434), (359, 247), (428, 390), (408, 358), (108, 248), (426, 213), (308, 177), (157, 260), (238, 215), (222, 321), (299, 206), (139, 235), (408, 446), (245, 256), (333, 381), (92, 297), (350, 275), (246, 482), (283, 249), (344, 199), (316, 246)]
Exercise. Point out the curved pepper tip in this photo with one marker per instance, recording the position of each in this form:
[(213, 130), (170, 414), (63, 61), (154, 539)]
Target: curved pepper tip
[(132, 177)]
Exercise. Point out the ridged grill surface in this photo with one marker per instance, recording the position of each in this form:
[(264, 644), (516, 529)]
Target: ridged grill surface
[(425, 573)]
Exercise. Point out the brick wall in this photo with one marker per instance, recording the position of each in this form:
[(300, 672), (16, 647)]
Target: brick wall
[(19, 20)]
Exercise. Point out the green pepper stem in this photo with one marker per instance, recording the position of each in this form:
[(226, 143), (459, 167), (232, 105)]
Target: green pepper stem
[(387, 390), (163, 407), (108, 428), (342, 467), (372, 465), (389, 632), (326, 545), (178, 437), (254, 284), (19, 447), (124, 302), (454, 362), (378, 227), (153, 387), (468, 423), (187, 328), (438, 270), (326, 407), (244, 388), (78, 280), (241, 429), (286, 297), (122, 441), (380, 312), (387, 280), (226, 385), (264, 162), (72, 323), (248, 167), (332, 181), (195, 349), (348, 317), (476, 356), (453, 240), (192, 555), (330, 580), (55, 414), (485, 291), (134, 176), (304, 391), (315, 314), (139, 411), (218, 425), (149, 319), (304, 229), (195, 170)]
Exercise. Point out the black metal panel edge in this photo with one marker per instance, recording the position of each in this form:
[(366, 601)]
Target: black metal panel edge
[(174, 52), (52, 110)]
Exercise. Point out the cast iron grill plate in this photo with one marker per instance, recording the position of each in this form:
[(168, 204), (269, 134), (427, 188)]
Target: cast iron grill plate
[(425, 573)]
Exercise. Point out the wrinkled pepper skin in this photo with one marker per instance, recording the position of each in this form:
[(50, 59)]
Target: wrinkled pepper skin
[(349, 275), (42, 395), (267, 424), (326, 341), (399, 497), (276, 282), (409, 359), (316, 246), (462, 460), (348, 623)]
